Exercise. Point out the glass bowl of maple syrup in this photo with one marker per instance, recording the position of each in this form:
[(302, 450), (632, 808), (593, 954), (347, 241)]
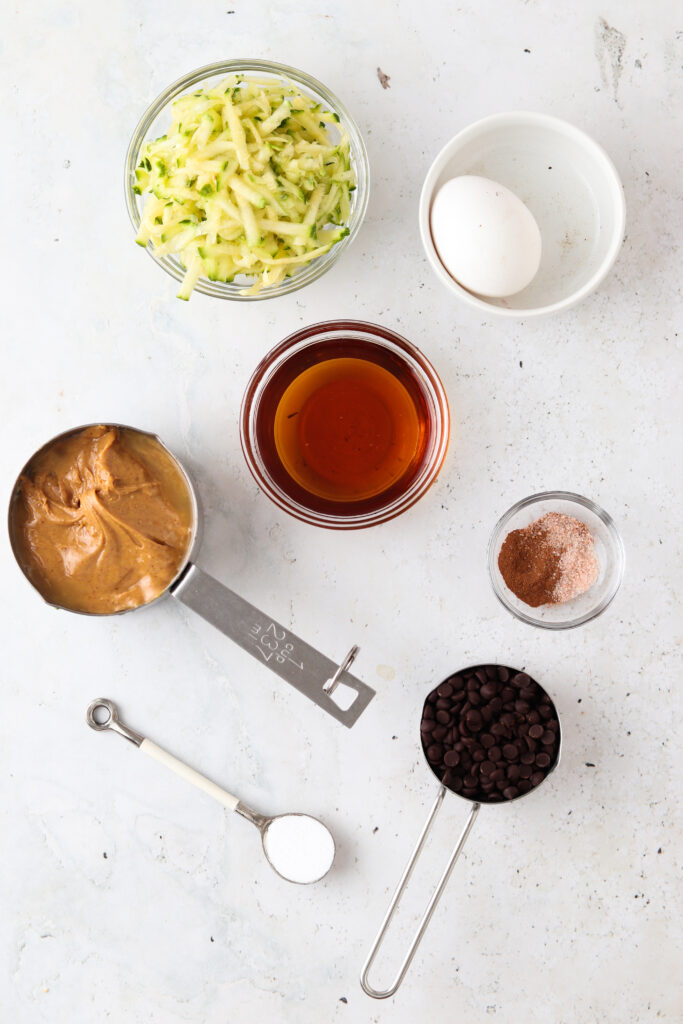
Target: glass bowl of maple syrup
[(344, 424)]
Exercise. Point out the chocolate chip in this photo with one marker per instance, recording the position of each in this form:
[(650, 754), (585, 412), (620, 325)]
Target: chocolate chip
[(473, 720), (490, 733)]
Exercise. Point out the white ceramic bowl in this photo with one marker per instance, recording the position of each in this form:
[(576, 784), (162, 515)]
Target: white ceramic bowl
[(570, 185)]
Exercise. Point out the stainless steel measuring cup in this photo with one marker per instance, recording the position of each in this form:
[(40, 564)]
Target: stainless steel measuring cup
[(291, 658), (297, 846), (443, 881)]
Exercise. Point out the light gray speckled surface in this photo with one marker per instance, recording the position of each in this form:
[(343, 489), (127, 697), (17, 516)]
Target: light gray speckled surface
[(128, 897)]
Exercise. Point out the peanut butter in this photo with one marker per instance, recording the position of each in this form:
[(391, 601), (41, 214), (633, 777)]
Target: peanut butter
[(102, 520)]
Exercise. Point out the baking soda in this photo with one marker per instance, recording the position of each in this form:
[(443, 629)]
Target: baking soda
[(299, 847)]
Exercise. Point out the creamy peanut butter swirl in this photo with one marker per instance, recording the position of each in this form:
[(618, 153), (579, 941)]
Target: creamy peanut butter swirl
[(103, 520)]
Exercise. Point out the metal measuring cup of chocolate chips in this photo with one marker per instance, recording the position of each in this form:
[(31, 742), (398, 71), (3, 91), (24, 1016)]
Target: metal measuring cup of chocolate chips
[(491, 735), (271, 643)]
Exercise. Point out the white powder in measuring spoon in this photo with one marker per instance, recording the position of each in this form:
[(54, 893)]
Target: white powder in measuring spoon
[(299, 847)]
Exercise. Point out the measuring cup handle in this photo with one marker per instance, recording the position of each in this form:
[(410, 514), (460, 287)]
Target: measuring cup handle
[(431, 906), (189, 774), (271, 643)]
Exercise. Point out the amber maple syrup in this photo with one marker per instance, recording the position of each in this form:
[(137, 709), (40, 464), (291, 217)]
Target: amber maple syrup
[(344, 424)]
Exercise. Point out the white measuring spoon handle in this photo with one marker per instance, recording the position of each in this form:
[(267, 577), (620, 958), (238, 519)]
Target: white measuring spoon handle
[(189, 774)]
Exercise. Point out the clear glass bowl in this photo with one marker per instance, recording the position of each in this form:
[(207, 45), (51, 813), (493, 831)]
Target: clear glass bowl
[(608, 547), (395, 499), (155, 121)]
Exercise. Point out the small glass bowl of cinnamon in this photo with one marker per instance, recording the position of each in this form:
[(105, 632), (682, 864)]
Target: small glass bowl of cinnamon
[(607, 547)]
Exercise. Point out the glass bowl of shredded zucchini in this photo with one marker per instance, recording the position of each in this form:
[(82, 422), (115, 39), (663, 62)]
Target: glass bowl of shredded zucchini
[(246, 180)]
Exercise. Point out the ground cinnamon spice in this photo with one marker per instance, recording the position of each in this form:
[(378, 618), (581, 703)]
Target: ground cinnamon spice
[(551, 561)]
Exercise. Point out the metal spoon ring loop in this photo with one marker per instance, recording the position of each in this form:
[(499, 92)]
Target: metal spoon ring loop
[(109, 707)]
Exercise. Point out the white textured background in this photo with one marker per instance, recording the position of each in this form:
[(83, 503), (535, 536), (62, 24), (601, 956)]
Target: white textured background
[(127, 896)]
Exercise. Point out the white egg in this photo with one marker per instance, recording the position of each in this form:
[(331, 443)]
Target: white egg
[(486, 238)]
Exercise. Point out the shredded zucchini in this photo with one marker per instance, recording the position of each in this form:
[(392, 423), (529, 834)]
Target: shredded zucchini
[(246, 182)]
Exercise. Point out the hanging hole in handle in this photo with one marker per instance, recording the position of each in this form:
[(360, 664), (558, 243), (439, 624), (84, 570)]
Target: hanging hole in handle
[(343, 696), (101, 714)]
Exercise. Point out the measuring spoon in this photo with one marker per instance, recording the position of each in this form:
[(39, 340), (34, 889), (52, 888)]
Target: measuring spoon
[(297, 846)]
